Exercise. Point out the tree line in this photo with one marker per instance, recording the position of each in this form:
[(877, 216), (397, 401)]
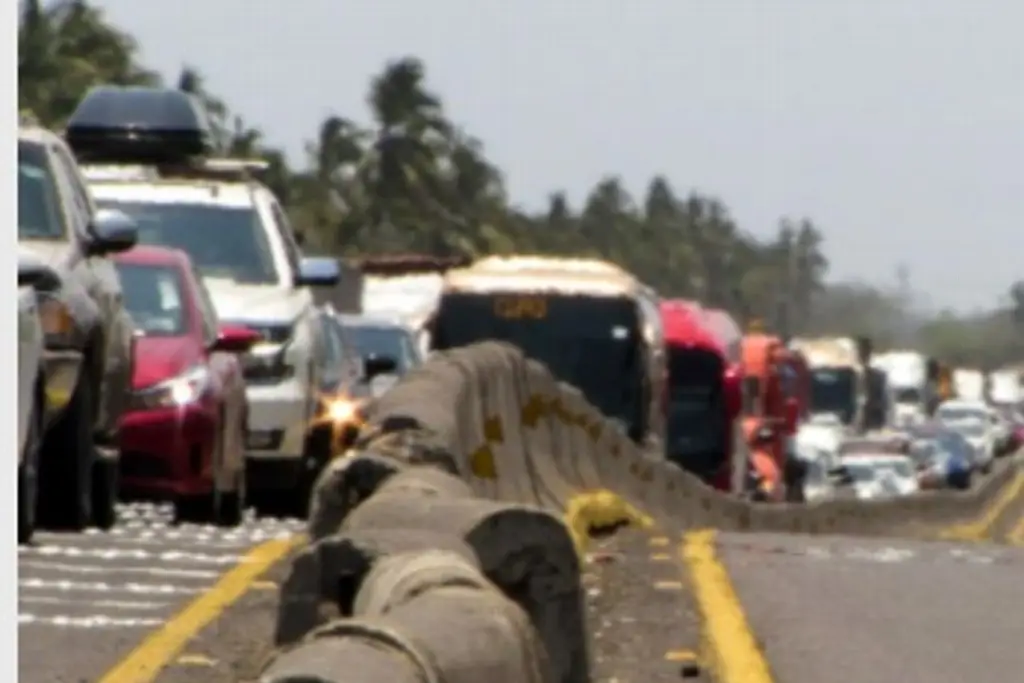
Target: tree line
[(413, 181)]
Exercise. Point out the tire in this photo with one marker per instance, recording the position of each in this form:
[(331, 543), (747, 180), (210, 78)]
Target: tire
[(28, 476), (66, 459), (104, 493), (223, 508)]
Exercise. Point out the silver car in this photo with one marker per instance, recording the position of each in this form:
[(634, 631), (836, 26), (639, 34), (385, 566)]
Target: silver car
[(31, 387), (88, 334)]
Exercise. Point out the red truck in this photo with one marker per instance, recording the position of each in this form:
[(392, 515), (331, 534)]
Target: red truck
[(703, 395)]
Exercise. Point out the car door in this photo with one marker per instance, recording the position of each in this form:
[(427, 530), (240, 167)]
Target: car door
[(99, 278)]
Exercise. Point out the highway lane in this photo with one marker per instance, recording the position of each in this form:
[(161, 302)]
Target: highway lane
[(832, 609), (86, 600)]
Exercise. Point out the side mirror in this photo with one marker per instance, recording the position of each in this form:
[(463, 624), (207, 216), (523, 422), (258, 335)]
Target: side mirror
[(39, 276), (733, 387), (379, 365), (315, 271), (110, 232), (235, 339)]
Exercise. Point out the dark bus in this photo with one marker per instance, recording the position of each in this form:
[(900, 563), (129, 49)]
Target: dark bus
[(593, 325)]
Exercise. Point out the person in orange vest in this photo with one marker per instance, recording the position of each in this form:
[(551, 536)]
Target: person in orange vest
[(765, 482)]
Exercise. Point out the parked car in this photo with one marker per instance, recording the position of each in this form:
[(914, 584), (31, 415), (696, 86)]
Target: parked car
[(88, 334), (183, 438), (241, 241), (31, 389)]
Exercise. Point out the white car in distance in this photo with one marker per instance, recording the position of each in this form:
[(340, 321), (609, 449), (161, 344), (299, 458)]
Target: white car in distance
[(881, 476), (240, 239)]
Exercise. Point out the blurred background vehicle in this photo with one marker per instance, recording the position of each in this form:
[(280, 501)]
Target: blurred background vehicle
[(943, 457), (183, 438), (382, 338)]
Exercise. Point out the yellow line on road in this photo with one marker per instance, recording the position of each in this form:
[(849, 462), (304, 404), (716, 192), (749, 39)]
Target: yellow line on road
[(159, 649), (978, 529), (1016, 535), (732, 650)]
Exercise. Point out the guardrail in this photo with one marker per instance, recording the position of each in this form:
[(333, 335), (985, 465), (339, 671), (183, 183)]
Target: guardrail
[(438, 550)]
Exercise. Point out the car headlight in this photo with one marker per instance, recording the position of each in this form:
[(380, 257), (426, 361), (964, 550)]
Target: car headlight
[(56, 320), (186, 388)]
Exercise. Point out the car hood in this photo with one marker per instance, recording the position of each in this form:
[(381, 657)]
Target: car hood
[(35, 252), (243, 302), (158, 359)]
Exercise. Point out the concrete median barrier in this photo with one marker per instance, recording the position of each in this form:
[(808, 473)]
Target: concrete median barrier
[(446, 544)]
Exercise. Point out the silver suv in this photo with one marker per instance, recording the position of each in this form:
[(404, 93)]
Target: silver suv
[(88, 334)]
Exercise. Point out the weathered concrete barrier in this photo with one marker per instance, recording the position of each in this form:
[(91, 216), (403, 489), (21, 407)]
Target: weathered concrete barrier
[(444, 546)]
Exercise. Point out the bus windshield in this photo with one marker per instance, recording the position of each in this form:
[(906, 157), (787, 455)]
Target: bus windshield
[(589, 342)]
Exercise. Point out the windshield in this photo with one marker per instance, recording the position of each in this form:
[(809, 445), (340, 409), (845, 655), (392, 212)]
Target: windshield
[(832, 391), (390, 342), (223, 241), (861, 473), (39, 214), (906, 395), (154, 299), (586, 341), (697, 423), (972, 430), (951, 414)]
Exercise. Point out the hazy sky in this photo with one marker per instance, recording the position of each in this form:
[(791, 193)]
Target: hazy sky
[(897, 125)]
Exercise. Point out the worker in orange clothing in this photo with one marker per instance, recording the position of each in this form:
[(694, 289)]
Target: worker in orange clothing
[(765, 475)]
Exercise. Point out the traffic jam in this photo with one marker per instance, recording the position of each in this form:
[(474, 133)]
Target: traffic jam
[(180, 353)]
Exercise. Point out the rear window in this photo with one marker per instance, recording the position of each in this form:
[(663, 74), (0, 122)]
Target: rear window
[(589, 342), (154, 298)]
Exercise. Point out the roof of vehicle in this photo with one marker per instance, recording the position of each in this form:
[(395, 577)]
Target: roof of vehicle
[(684, 324), (226, 193), (588, 277), (151, 255), (355, 320)]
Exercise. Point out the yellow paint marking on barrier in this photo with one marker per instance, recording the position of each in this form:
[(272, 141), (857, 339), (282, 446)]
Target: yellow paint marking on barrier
[(732, 649), (600, 509), (979, 528), (481, 463), (159, 649), (1016, 535)]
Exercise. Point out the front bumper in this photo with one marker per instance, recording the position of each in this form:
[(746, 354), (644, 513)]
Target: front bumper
[(61, 370), (279, 418), (168, 451)]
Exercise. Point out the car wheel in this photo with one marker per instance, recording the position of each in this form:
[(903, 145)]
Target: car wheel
[(66, 463), (28, 477), (104, 493)]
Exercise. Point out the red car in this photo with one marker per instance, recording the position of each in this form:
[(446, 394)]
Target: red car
[(183, 436)]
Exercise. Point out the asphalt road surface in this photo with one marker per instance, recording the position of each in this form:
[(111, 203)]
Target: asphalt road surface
[(87, 600), (833, 610)]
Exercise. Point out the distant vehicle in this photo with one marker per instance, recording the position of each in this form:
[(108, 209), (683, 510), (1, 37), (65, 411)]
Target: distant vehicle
[(944, 458), (31, 390), (981, 438), (380, 338), (88, 334), (146, 152), (184, 437), (898, 471), (574, 315), (703, 397)]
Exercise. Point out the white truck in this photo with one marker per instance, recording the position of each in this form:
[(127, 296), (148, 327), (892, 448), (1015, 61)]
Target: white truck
[(838, 380), (910, 389), (969, 384)]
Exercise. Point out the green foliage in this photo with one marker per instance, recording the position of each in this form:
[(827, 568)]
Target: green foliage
[(413, 181)]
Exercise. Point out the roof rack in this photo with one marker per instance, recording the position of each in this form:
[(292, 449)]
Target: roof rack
[(227, 170)]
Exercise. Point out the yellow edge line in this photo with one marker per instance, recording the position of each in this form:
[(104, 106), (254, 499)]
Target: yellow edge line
[(733, 652), (1016, 535), (159, 649), (598, 509), (976, 530)]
